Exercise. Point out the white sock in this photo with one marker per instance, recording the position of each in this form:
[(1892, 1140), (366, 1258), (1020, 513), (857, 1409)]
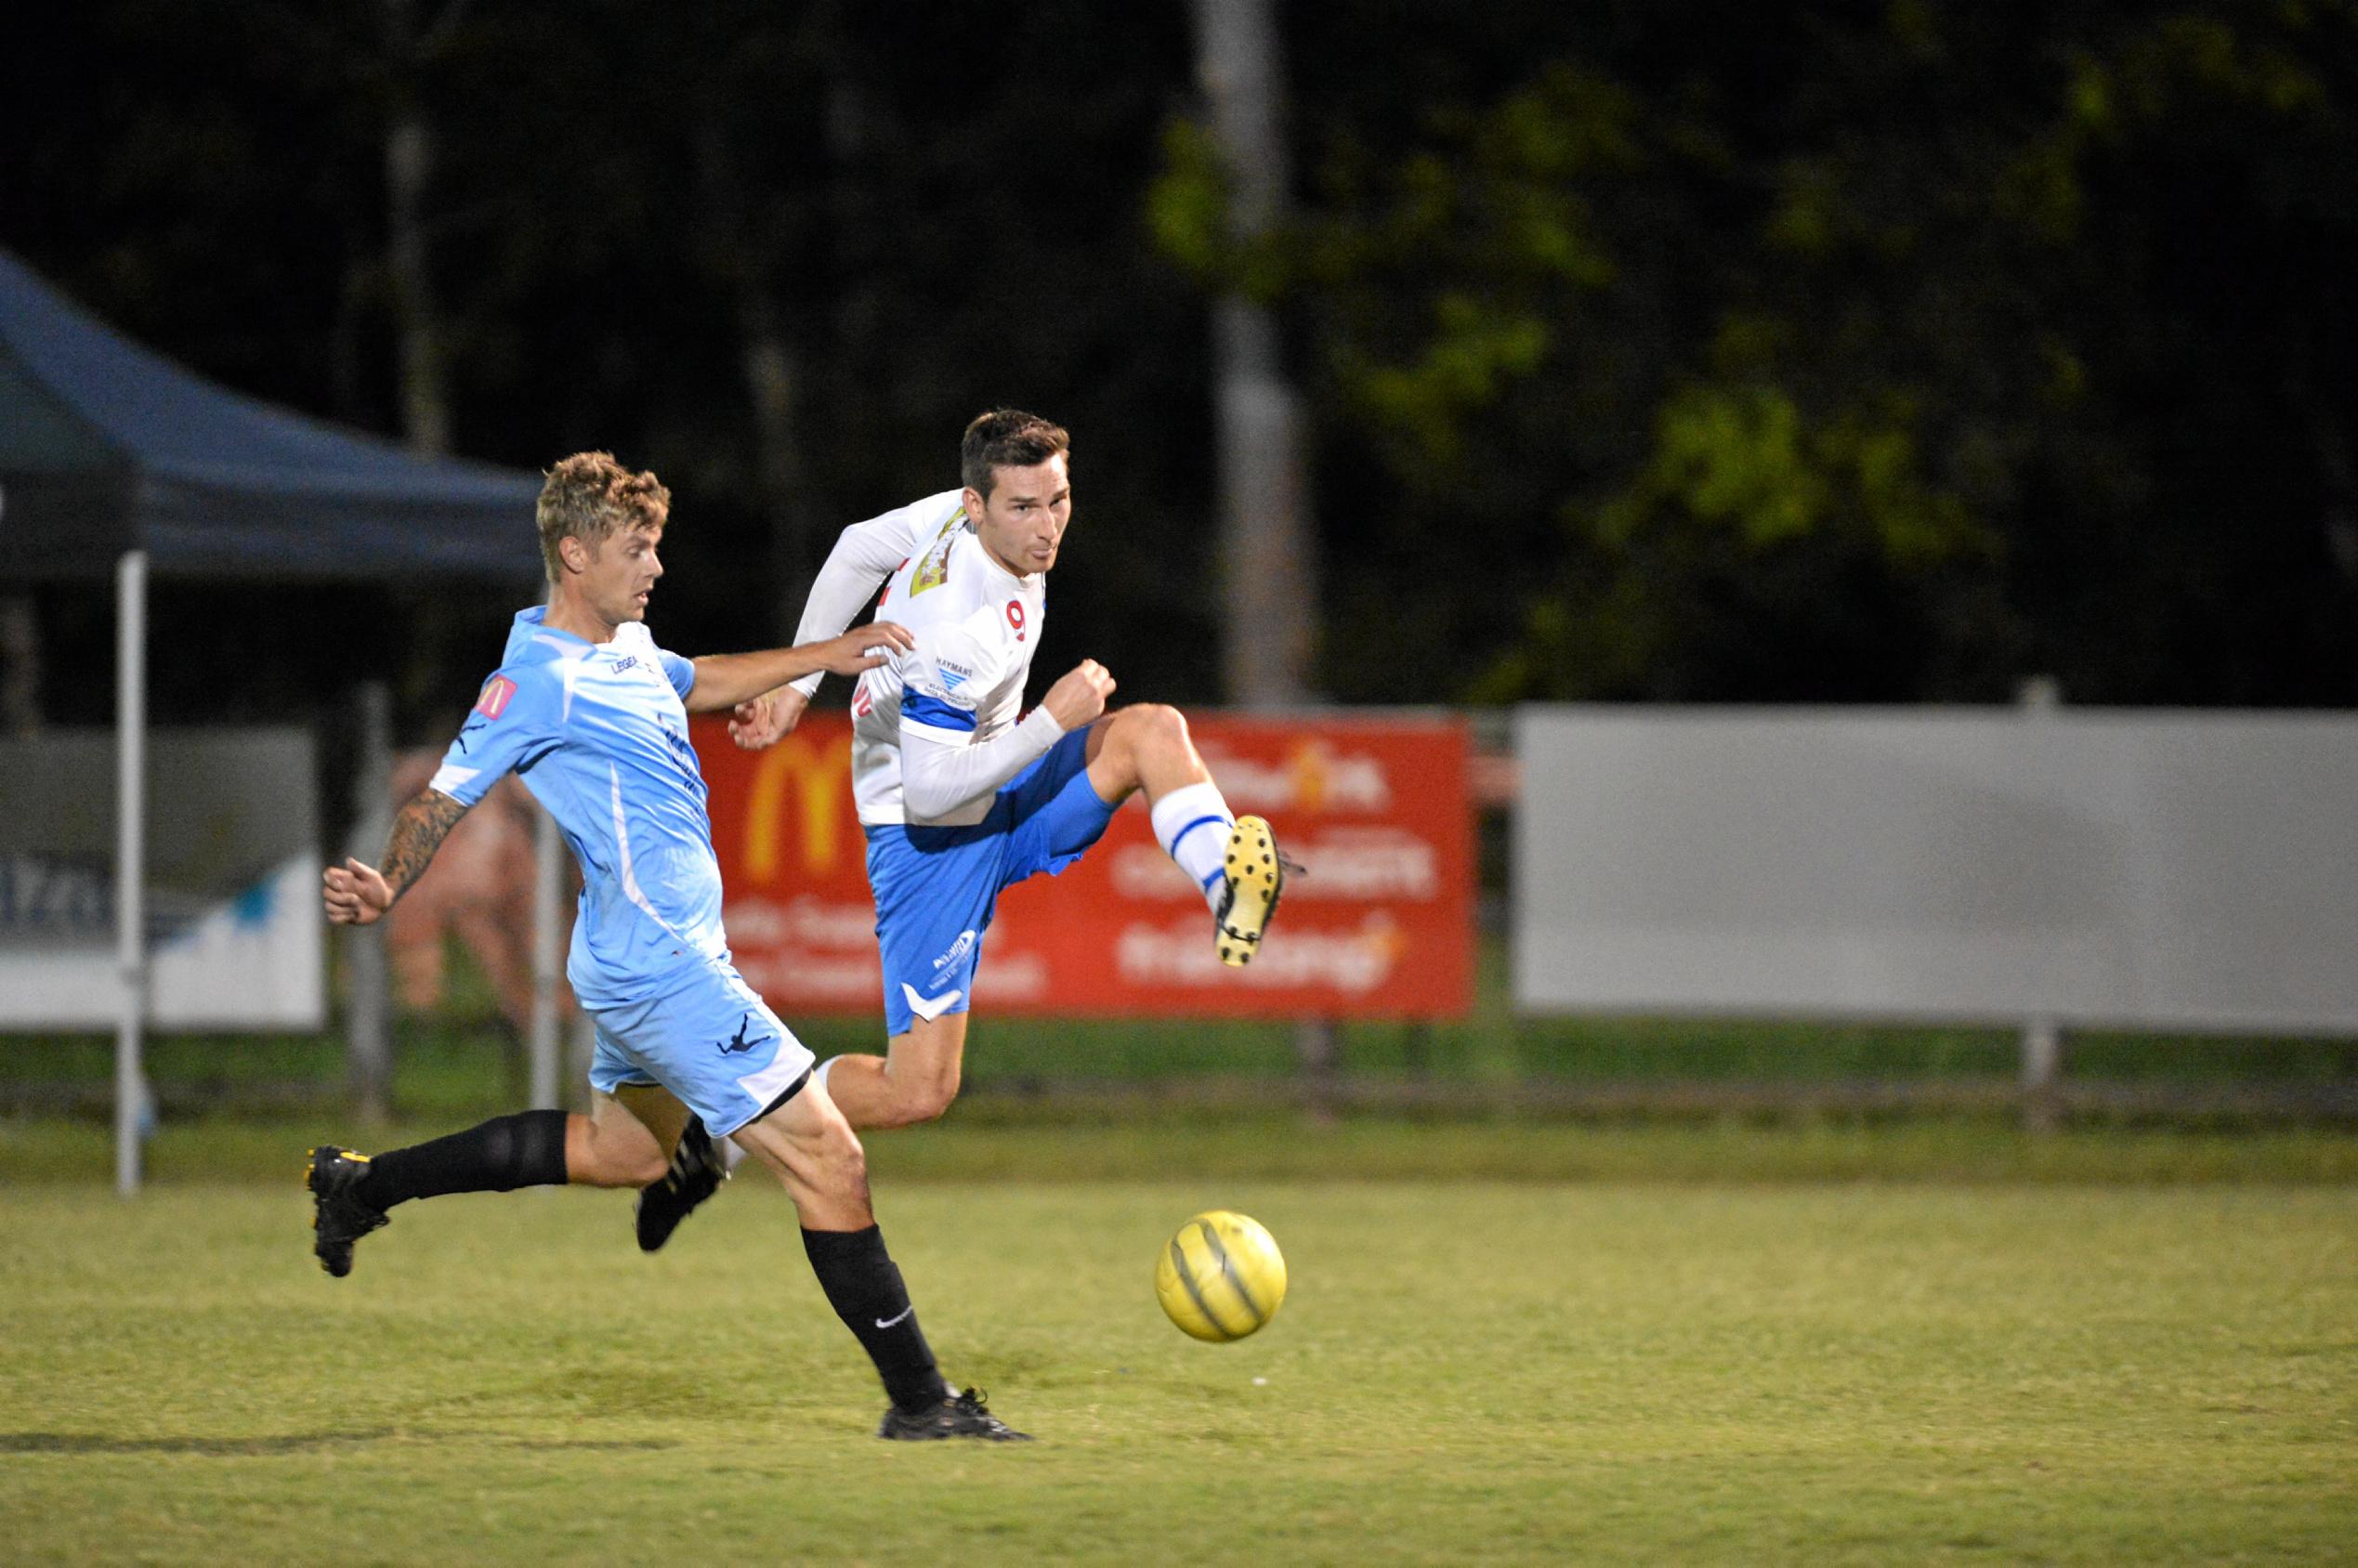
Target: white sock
[(1192, 823)]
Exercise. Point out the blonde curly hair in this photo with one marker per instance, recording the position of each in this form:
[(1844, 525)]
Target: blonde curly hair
[(588, 496)]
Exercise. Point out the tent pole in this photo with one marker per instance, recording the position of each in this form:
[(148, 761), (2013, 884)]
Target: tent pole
[(130, 865)]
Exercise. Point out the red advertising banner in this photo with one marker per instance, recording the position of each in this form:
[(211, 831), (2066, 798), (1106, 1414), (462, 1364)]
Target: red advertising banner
[(1381, 925)]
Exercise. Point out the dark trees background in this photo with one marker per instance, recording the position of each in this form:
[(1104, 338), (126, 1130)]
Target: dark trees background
[(1678, 351)]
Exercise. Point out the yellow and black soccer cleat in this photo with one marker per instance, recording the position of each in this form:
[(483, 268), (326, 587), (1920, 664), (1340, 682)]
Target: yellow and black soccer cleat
[(339, 1216), (696, 1174), (1255, 875)]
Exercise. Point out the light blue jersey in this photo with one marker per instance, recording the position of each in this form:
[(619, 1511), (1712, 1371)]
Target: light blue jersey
[(599, 734)]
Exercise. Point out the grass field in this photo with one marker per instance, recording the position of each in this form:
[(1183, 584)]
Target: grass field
[(1969, 1346)]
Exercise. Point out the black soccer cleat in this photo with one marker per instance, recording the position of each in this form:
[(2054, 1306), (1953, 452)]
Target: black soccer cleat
[(1254, 875), (339, 1216), (696, 1174), (960, 1415)]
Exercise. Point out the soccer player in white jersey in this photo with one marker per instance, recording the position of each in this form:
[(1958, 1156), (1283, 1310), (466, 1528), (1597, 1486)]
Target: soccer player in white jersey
[(593, 715), (957, 797)]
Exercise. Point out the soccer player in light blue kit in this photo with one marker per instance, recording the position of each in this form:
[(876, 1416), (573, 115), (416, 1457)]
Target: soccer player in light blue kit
[(592, 716)]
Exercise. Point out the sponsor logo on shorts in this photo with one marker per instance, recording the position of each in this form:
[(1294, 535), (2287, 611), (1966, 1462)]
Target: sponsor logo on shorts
[(956, 951), (739, 1044)]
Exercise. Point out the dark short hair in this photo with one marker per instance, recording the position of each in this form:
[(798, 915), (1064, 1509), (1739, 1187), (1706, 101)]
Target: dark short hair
[(589, 495), (1006, 438)]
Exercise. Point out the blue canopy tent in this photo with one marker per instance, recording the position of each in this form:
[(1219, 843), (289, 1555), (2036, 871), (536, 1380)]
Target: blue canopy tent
[(106, 449), (113, 460)]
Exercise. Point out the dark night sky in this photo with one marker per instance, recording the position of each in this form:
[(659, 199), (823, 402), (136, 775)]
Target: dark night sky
[(2041, 312)]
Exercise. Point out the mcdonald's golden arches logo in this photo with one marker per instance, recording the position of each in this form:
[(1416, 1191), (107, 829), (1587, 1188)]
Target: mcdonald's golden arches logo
[(800, 783)]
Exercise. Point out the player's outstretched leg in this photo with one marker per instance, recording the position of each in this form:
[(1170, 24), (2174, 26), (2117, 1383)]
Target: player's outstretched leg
[(339, 1216), (1233, 859), (695, 1174), (352, 1193), (813, 1149), (1253, 874)]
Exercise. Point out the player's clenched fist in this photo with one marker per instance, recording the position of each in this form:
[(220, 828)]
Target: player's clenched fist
[(764, 721), (357, 895), (1080, 697)]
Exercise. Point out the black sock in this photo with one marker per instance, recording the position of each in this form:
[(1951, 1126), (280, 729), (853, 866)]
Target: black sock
[(524, 1150), (863, 1285)]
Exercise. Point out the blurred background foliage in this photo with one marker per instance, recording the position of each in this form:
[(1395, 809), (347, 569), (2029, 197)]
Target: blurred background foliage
[(1821, 352)]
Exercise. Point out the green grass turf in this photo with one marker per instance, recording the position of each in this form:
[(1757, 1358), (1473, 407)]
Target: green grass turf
[(1865, 1371), (983, 1142)]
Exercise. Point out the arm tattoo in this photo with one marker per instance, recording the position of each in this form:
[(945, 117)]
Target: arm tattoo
[(418, 831)]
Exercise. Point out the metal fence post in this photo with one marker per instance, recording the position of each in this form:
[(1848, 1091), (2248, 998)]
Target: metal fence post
[(548, 851), (2039, 696), (585, 1046), (2042, 1070), (368, 1001), (1318, 1045)]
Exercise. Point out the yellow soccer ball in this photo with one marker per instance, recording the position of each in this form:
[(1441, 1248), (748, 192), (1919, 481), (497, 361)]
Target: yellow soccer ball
[(1222, 1277)]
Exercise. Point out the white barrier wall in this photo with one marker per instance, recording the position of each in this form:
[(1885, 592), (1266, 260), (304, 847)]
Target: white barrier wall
[(2133, 868), (233, 918)]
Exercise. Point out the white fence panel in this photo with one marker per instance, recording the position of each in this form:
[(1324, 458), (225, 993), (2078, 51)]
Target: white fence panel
[(2133, 868)]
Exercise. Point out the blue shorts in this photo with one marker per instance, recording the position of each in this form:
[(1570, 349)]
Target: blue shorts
[(709, 1040), (937, 887)]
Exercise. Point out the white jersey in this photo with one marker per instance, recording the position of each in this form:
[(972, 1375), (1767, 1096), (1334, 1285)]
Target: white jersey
[(976, 624)]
